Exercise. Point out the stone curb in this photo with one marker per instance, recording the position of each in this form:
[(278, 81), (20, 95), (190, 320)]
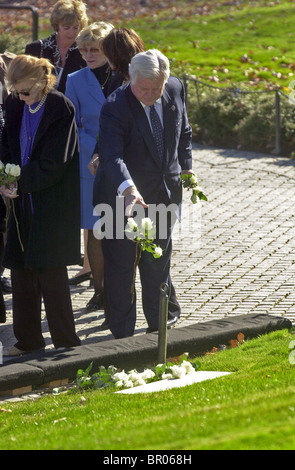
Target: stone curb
[(51, 368)]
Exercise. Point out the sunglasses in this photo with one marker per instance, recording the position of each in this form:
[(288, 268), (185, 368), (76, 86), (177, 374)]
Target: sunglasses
[(24, 93), (92, 51)]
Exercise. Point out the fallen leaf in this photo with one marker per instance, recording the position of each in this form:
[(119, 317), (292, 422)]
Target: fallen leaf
[(82, 400), (58, 420), (241, 338), (3, 410)]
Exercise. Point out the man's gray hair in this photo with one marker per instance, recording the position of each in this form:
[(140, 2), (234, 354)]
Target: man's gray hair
[(150, 64)]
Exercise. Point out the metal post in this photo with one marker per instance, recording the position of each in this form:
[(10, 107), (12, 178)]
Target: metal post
[(35, 16), (163, 318), (278, 123), (185, 84)]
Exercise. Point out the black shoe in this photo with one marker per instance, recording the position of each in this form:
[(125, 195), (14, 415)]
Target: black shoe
[(171, 322), (96, 302), (104, 326), (74, 281), (2, 309), (6, 285), (2, 317)]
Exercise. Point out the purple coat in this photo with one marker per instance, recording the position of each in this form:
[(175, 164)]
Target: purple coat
[(51, 234)]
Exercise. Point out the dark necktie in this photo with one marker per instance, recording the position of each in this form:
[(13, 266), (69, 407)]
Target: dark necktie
[(157, 130)]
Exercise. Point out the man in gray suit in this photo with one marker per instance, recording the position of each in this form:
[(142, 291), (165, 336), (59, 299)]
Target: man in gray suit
[(143, 165)]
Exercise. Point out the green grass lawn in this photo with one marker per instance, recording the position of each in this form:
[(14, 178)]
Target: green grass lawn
[(253, 408), (251, 44)]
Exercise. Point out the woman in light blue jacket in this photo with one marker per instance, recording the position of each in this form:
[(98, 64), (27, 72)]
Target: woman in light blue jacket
[(87, 89)]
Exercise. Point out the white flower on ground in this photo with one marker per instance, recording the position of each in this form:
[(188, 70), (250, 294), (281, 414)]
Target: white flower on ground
[(178, 372), (133, 375), (167, 376), (188, 367), (128, 383), (119, 384), (139, 381), (147, 374), (120, 376)]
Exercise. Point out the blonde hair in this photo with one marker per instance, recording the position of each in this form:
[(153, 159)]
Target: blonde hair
[(94, 33), (26, 67), (69, 12)]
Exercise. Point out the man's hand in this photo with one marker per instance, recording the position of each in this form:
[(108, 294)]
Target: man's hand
[(132, 197), (93, 164), (188, 172)]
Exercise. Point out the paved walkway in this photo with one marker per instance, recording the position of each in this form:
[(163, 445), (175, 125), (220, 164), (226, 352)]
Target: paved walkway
[(232, 255)]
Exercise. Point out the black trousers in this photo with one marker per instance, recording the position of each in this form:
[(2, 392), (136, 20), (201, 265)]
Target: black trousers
[(120, 261), (29, 286)]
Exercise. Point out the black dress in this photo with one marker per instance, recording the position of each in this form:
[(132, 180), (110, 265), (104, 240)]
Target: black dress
[(48, 49), (2, 229), (50, 229)]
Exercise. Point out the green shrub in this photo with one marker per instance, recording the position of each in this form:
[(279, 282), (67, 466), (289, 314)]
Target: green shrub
[(236, 119), (12, 43), (256, 130)]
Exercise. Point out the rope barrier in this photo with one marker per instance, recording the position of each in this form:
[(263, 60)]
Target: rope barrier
[(236, 91)]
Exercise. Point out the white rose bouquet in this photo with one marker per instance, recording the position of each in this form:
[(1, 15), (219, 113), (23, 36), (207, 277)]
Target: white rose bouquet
[(190, 181), (143, 235), (9, 175)]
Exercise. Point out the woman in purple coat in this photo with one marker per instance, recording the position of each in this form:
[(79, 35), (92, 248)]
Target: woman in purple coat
[(40, 136)]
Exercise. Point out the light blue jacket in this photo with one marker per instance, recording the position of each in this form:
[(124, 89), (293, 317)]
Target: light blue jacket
[(85, 92)]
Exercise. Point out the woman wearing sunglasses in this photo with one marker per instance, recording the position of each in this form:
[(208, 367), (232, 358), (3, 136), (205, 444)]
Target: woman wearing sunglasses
[(40, 136), (87, 89)]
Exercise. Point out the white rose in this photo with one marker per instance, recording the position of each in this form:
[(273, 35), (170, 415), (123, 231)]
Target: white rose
[(119, 384), (15, 171), (139, 382), (158, 252), (193, 179), (178, 372), (146, 224), (120, 376), (187, 367), (132, 224), (1, 165), (166, 376), (12, 170), (133, 376), (7, 168), (147, 374), (128, 383)]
